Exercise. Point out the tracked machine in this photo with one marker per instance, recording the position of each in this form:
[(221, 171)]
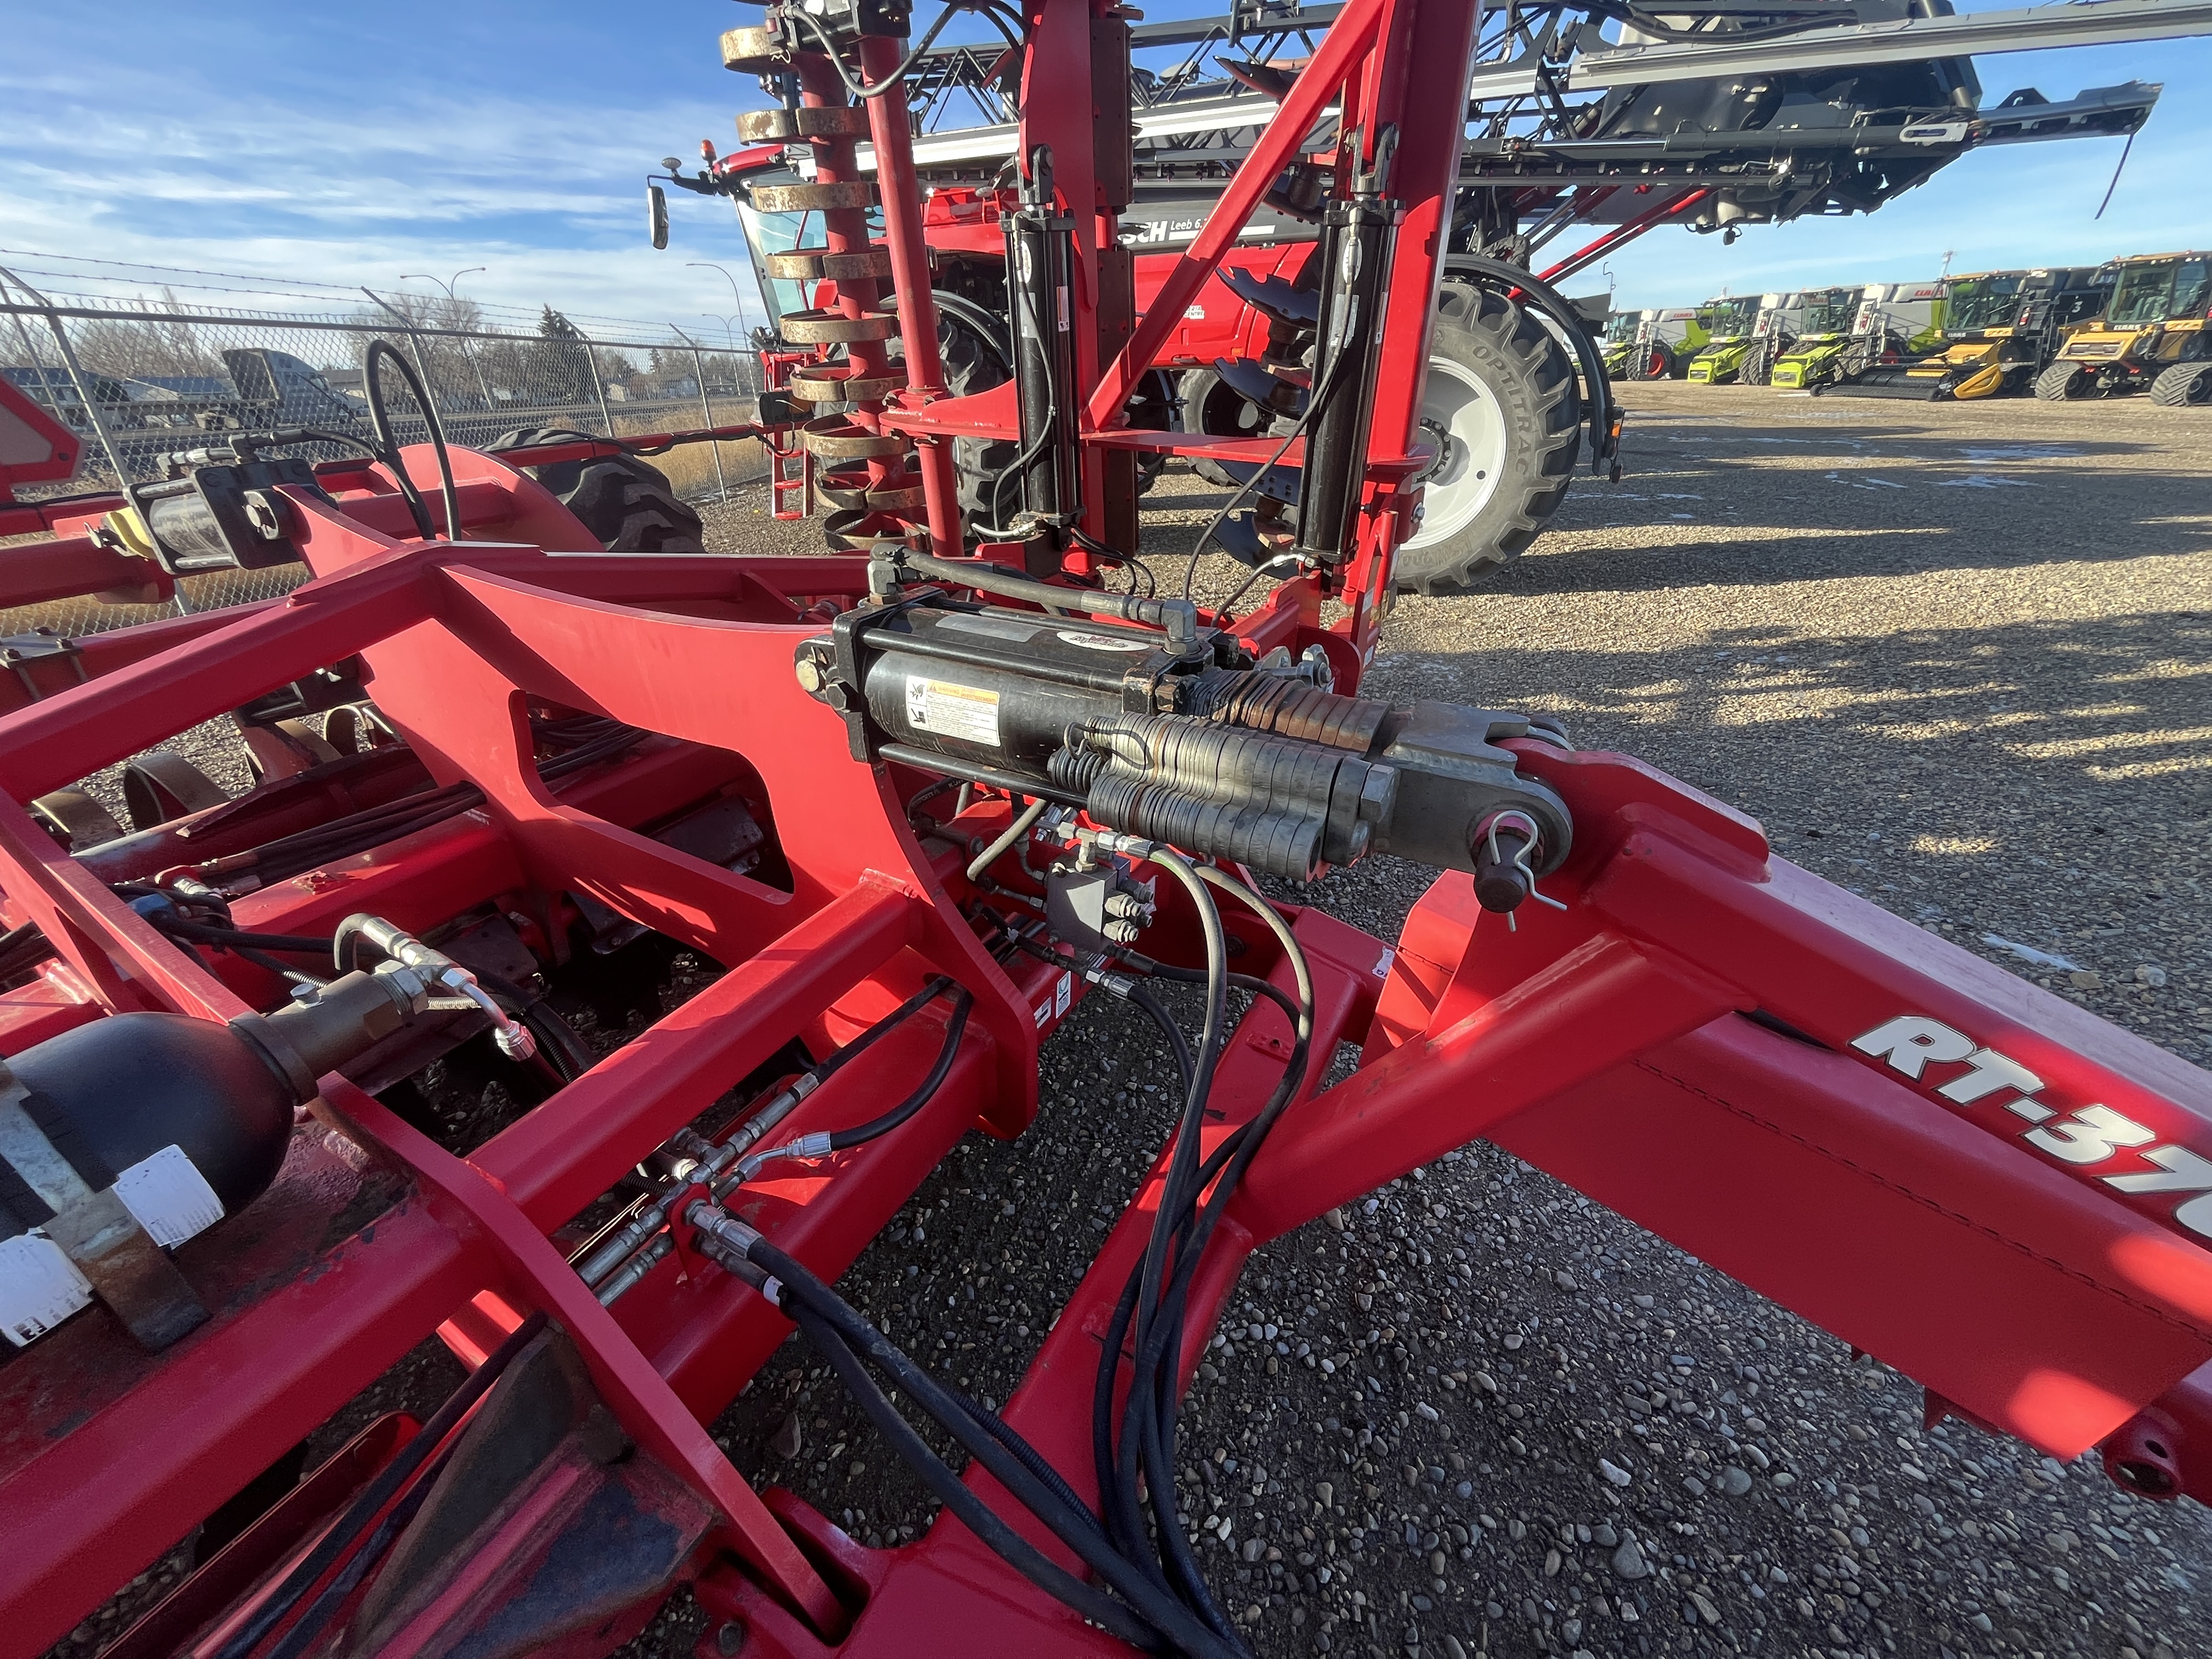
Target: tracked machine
[(1998, 330), (2151, 336), (909, 804)]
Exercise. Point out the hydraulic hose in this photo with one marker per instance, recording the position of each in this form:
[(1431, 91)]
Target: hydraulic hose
[(1076, 1528), (1024, 821), (955, 1029), (380, 351)]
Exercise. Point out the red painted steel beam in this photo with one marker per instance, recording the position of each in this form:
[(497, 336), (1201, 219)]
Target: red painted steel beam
[(153, 1445), (1342, 49), (892, 135), (61, 569), (558, 1159), (473, 1201), (1620, 236)]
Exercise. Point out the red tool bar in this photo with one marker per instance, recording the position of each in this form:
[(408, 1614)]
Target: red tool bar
[(1621, 235), (1342, 51)]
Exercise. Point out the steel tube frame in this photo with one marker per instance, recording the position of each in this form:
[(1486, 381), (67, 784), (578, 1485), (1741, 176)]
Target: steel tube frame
[(1698, 1039)]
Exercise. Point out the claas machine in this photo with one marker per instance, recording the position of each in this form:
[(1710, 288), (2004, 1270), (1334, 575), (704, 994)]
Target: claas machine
[(1726, 323), (1603, 117), (1999, 330), (2150, 337), (1652, 344), (912, 802)]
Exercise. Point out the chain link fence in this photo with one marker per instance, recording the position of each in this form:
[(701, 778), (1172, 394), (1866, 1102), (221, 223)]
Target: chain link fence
[(139, 382)]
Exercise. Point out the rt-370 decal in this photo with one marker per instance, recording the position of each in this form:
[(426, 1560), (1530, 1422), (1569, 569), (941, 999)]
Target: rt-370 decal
[(1911, 1043)]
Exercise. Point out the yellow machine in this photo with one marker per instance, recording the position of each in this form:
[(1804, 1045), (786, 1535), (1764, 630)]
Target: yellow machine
[(2152, 335), (1999, 330)]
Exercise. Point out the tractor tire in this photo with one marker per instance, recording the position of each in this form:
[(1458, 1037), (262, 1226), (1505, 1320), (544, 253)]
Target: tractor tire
[(1210, 407), (973, 362), (1655, 362), (1501, 396), (2063, 383), (626, 505), (2183, 384)]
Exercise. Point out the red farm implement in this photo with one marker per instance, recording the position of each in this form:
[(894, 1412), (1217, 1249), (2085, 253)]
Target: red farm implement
[(917, 800)]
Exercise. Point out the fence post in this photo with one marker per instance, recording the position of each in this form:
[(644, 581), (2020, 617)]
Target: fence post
[(706, 409), (599, 380), (76, 379)]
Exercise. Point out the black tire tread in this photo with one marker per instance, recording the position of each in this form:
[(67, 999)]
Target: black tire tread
[(1488, 331), (627, 504), (2054, 385), (2183, 386)]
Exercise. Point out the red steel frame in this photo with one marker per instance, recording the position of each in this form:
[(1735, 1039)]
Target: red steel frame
[(1679, 1042)]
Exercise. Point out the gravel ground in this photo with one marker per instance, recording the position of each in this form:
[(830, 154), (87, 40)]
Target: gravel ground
[(1480, 1414)]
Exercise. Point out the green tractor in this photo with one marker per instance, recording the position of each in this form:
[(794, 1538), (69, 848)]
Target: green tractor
[(1726, 326), (1808, 332), (1838, 327), (1650, 345)]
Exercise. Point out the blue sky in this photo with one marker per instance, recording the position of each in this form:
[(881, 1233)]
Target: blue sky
[(359, 145)]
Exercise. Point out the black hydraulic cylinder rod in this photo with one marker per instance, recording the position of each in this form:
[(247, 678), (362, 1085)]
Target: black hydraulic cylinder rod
[(1039, 251), (1358, 237)]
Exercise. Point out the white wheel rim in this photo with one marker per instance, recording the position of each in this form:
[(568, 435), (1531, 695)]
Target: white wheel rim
[(1458, 410)]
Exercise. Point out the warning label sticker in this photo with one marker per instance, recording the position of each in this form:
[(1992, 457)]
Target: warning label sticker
[(953, 711)]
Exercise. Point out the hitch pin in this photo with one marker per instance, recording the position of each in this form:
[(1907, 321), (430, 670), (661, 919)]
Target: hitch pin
[(1526, 828)]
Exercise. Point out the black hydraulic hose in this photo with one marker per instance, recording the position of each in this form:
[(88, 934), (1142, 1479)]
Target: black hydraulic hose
[(1321, 395), (827, 44), (373, 383), (1078, 1531), (309, 435), (230, 939), (957, 1495), (955, 1029), (1148, 1441), (1139, 1454), (824, 1069), (379, 1491), (561, 1049)]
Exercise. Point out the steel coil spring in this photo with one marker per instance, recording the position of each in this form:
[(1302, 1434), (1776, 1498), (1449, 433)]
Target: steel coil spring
[(1279, 842), (861, 464), (1292, 709), (1220, 762)]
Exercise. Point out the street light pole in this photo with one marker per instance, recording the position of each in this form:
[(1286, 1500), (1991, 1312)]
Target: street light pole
[(454, 300), (736, 293)]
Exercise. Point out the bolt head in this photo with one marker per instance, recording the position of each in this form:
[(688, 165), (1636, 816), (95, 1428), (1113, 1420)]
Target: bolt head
[(813, 674)]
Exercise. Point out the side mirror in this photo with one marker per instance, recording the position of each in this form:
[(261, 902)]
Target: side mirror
[(656, 215)]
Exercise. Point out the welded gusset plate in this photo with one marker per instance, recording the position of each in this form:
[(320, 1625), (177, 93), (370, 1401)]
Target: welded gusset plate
[(838, 384), (812, 264), (830, 328), (813, 198), (769, 127), (833, 438)]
